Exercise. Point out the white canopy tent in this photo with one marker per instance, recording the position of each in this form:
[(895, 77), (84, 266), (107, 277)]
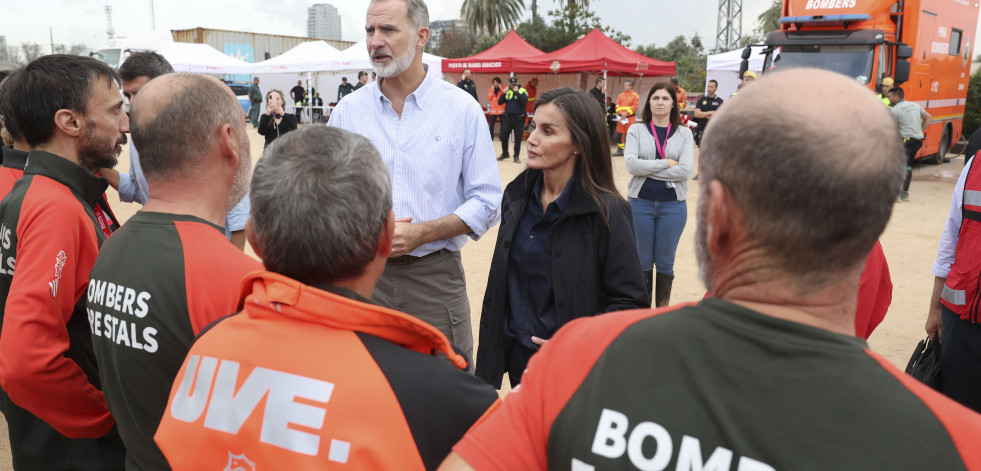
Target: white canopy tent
[(310, 56), (724, 69), (202, 58), (318, 65)]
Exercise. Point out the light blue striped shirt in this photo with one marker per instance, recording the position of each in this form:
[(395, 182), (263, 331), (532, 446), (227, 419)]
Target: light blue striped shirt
[(439, 154)]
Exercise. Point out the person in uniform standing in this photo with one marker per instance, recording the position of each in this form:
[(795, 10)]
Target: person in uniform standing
[(255, 98), (626, 107), (344, 89), (705, 109), (514, 100), (70, 109), (467, 85), (298, 95), (433, 137), (362, 80), (884, 87), (913, 121), (495, 108)]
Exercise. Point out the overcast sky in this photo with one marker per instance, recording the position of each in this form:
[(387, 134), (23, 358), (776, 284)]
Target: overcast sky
[(83, 21)]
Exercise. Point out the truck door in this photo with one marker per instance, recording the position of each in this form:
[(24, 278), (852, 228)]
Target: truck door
[(921, 77)]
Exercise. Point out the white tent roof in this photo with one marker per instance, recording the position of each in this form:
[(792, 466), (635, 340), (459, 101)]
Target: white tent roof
[(310, 56), (202, 58), (731, 60)]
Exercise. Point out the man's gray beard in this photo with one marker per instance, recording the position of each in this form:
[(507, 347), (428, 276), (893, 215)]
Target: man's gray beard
[(397, 66), (702, 256), (240, 184)]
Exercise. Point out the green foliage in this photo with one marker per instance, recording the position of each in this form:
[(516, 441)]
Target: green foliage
[(567, 26), (765, 23), (484, 43), (688, 56), (454, 42), (491, 16), (972, 110)]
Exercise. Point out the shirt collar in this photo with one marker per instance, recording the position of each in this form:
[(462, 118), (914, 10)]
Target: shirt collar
[(419, 97), (67, 173), (13, 158), (562, 202)]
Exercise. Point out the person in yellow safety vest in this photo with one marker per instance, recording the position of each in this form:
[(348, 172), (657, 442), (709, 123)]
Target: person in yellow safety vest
[(627, 103), (748, 78), (887, 84)]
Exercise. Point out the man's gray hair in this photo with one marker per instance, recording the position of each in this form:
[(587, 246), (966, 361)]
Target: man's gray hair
[(320, 198), (417, 12), (175, 135)]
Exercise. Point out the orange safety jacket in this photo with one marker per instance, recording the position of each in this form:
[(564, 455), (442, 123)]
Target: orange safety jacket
[(305, 378), (960, 293), (495, 107), (627, 101)]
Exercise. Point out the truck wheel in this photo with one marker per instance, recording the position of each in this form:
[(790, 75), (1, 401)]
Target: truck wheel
[(938, 158), (944, 145)]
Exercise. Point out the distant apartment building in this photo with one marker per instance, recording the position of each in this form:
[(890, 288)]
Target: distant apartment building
[(3, 48), (323, 22), (436, 29)]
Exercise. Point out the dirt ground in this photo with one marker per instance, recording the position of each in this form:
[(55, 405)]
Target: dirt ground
[(909, 242)]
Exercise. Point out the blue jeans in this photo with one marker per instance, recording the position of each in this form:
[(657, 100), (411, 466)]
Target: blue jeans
[(658, 226)]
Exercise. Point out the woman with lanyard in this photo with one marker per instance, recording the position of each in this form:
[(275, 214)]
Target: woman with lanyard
[(659, 153), (275, 122), (565, 248)]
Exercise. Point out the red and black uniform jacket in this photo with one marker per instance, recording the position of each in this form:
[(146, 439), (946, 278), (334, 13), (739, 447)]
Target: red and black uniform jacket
[(718, 386), (157, 282), (55, 410), (308, 378)]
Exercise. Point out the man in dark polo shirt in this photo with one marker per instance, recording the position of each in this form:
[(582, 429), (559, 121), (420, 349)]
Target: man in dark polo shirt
[(769, 374), (143, 321), (706, 108)]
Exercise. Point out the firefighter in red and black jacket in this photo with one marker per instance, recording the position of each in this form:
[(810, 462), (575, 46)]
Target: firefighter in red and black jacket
[(956, 300), (69, 109), (311, 373)]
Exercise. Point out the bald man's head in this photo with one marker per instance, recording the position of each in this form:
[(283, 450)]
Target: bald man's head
[(174, 121), (815, 184)]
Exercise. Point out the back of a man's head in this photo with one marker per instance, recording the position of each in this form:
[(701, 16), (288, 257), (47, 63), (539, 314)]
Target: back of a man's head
[(144, 64), (51, 83), (320, 198), (814, 185), (8, 88), (172, 129)]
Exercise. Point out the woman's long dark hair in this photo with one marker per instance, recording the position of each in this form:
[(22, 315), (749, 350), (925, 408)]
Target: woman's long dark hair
[(675, 113), (585, 118)]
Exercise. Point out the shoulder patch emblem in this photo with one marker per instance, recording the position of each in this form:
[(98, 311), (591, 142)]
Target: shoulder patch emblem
[(60, 260)]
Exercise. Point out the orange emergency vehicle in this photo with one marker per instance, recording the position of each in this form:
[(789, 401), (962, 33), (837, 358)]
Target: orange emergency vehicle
[(924, 45)]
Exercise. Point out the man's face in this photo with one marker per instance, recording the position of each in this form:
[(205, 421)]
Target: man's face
[(466, 74), (299, 83), (130, 87), (363, 79), (710, 89), (515, 86), (893, 98), (601, 85), (256, 80), (627, 86), (104, 126), (497, 83), (748, 79), (391, 38)]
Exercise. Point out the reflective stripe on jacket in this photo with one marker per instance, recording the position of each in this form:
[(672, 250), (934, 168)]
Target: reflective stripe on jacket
[(960, 292)]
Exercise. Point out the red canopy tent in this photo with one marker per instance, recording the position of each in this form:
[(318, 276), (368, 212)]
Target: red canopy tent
[(595, 53), (497, 59)]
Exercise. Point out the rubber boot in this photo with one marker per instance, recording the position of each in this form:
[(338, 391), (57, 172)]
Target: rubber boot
[(649, 284), (662, 289)]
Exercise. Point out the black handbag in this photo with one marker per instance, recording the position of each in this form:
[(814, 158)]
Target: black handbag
[(924, 365)]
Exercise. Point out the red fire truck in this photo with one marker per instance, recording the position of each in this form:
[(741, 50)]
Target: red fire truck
[(924, 45)]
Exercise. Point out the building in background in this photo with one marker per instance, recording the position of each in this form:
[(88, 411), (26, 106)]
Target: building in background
[(323, 22), (436, 29)]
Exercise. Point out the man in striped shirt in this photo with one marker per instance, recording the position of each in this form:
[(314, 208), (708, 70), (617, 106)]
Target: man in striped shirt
[(434, 139)]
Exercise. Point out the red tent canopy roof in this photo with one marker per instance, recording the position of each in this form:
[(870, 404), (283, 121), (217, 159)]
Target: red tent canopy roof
[(595, 52), (497, 59), (512, 45)]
